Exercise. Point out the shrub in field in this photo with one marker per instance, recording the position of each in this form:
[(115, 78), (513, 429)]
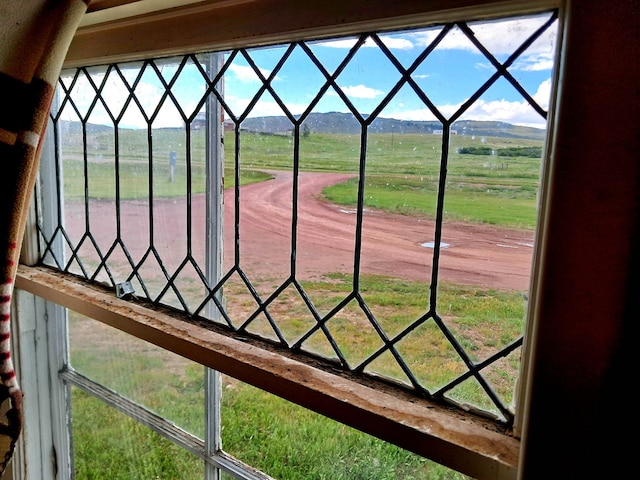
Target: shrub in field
[(530, 152), (475, 151)]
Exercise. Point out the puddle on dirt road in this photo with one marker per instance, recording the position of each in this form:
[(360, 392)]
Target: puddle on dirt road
[(432, 245)]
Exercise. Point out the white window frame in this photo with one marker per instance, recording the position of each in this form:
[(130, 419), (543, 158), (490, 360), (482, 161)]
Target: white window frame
[(554, 275)]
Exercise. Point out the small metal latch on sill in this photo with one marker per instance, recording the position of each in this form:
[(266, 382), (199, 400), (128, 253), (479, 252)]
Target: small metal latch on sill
[(124, 289)]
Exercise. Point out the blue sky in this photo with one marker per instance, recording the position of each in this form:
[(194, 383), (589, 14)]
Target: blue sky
[(448, 76)]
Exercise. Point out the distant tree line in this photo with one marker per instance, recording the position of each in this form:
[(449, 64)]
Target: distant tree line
[(530, 152), (476, 151)]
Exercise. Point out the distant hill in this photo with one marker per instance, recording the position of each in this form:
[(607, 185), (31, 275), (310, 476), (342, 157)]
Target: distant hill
[(498, 129), (345, 123)]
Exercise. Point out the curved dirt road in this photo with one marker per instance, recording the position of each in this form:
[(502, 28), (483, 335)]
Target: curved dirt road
[(392, 244)]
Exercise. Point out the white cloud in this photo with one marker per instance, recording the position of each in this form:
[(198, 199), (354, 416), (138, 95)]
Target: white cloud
[(535, 63), (499, 37), (502, 110), (514, 112), (543, 94), (505, 36), (116, 94), (359, 91), (454, 40), (395, 42), (345, 43), (247, 74), (531, 63)]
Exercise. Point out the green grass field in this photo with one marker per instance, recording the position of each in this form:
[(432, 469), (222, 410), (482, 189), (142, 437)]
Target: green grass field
[(276, 436), (402, 171), (271, 434), (401, 176)]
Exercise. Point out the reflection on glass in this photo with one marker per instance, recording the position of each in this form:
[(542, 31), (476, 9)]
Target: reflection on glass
[(157, 379)]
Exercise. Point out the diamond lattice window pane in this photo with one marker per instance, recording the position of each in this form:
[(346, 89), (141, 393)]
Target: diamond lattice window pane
[(378, 195)]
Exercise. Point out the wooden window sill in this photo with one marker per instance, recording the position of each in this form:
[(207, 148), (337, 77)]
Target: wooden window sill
[(469, 444)]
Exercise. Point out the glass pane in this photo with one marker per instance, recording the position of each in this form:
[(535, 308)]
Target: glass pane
[(380, 195), (110, 446), (289, 442), (161, 381)]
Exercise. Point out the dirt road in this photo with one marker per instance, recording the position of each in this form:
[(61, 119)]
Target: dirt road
[(392, 244)]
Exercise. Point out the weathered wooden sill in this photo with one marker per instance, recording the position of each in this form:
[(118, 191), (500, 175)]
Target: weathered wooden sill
[(471, 445)]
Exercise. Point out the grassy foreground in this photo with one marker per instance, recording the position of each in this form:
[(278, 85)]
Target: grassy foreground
[(278, 437), (275, 436)]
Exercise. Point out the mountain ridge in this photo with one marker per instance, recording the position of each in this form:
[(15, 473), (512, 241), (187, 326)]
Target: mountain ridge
[(345, 123)]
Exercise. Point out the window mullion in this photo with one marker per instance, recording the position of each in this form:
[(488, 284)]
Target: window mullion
[(213, 260)]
